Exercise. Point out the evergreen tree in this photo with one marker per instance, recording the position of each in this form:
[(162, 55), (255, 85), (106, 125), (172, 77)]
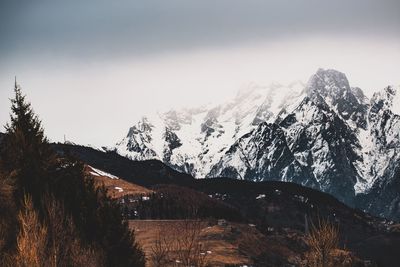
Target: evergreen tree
[(26, 153)]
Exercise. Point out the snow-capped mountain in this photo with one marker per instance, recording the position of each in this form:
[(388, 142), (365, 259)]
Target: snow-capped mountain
[(194, 140), (318, 133), (324, 134)]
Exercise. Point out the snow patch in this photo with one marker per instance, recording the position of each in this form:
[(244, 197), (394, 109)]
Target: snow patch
[(260, 196), (97, 172), (119, 189)]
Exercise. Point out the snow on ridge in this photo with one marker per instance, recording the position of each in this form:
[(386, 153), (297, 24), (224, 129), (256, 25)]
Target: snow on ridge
[(97, 172), (202, 136), (390, 96), (380, 142), (207, 132), (396, 100)]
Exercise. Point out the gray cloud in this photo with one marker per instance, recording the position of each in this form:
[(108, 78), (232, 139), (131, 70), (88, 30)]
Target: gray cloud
[(84, 63), (103, 29)]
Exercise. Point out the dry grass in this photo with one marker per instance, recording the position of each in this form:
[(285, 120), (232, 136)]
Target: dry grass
[(158, 237), (114, 186), (182, 244)]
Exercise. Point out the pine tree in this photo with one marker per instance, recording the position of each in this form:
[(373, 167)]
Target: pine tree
[(26, 153)]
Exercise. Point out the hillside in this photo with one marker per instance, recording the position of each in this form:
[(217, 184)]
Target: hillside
[(273, 207), (116, 187), (142, 173)]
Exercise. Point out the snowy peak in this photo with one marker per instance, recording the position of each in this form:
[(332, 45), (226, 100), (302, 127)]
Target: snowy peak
[(142, 127), (326, 135), (138, 141), (329, 83), (331, 87), (387, 99), (325, 144)]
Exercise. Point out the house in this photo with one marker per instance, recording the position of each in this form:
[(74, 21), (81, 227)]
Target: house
[(222, 222)]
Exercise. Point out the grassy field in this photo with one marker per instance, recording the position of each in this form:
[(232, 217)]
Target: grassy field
[(221, 244)]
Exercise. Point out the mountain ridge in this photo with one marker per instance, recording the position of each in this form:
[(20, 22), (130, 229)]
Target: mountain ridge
[(326, 135)]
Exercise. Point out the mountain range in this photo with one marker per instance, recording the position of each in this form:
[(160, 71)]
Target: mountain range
[(324, 134)]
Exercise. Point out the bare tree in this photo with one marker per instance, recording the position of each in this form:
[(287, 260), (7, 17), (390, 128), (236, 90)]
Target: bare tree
[(32, 237), (322, 240), (160, 251), (180, 245), (52, 243), (187, 243), (58, 230), (64, 247)]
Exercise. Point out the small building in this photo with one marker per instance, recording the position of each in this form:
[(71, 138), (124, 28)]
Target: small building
[(222, 222)]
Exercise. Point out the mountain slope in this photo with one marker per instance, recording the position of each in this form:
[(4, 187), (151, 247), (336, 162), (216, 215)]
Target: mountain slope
[(141, 173), (275, 205), (263, 155)]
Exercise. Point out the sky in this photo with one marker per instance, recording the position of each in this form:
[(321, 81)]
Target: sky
[(92, 68)]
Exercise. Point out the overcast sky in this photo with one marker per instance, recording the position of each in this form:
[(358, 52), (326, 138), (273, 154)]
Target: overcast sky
[(92, 67)]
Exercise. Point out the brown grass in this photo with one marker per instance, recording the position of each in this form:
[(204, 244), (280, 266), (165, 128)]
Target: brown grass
[(112, 184), (158, 237), (180, 245)]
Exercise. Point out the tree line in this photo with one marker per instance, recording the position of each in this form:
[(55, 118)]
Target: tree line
[(177, 202)]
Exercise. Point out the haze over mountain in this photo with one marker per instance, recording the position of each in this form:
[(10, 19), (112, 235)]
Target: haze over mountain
[(325, 134)]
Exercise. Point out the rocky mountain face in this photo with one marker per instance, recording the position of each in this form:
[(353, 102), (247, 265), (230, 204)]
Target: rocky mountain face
[(383, 195), (326, 135)]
